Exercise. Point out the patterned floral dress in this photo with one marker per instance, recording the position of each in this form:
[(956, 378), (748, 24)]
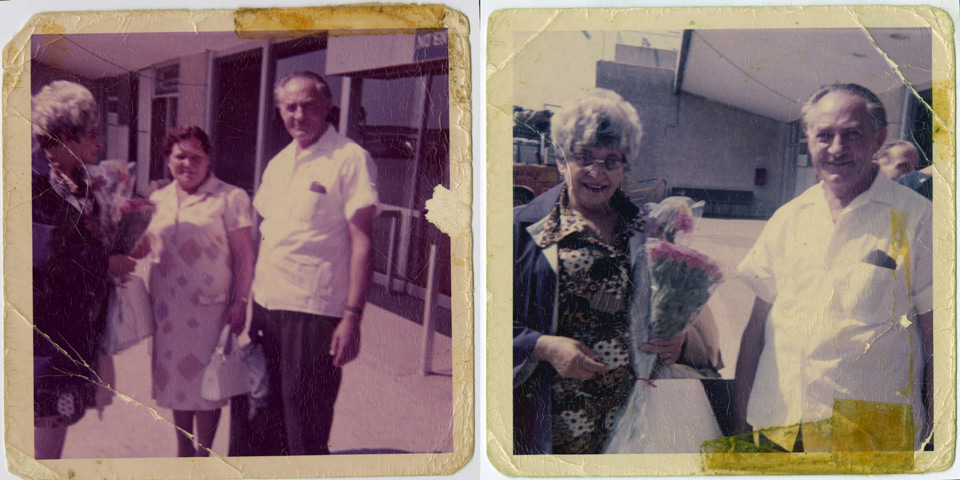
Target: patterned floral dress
[(191, 282), (594, 298)]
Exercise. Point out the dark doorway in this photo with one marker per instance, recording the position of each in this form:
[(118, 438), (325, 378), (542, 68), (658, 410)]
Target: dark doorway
[(235, 118), (163, 116)]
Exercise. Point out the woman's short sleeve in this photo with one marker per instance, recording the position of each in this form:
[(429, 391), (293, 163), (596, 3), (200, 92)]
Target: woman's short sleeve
[(238, 212)]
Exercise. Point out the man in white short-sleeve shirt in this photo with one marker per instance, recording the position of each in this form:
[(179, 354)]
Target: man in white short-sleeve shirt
[(843, 282), (317, 199)]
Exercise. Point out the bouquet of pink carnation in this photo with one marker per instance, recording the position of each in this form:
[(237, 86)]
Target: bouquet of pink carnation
[(135, 215), (123, 218), (682, 281)]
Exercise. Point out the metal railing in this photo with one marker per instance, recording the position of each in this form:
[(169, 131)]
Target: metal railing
[(645, 191)]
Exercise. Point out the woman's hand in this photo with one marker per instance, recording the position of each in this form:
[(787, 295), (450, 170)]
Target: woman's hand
[(669, 349), (569, 357), (121, 265), (142, 249), (234, 317), (241, 249)]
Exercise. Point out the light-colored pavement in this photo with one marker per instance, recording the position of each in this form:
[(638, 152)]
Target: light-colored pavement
[(727, 242), (384, 405)]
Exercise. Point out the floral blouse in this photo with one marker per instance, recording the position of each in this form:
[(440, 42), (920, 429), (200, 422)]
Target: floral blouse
[(594, 297)]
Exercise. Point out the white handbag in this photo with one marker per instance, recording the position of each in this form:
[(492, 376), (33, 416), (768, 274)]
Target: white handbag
[(129, 315), (227, 374)]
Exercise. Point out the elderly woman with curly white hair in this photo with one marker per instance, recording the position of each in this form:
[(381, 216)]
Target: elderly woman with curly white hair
[(70, 262), (580, 259)]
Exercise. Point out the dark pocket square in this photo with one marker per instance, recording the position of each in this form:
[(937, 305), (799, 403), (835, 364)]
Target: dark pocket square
[(880, 259), (316, 187)]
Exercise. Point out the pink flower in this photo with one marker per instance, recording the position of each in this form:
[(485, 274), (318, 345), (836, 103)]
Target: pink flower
[(138, 205), (683, 223), (666, 251)]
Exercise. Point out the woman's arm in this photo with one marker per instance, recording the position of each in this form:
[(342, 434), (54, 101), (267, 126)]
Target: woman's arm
[(241, 250), (569, 357), (142, 249), (697, 345), (124, 264), (120, 265), (702, 348)]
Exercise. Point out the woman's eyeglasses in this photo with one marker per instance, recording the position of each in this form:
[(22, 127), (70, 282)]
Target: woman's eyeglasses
[(611, 163)]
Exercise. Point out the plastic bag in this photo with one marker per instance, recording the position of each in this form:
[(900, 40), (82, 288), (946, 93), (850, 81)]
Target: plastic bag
[(129, 315)]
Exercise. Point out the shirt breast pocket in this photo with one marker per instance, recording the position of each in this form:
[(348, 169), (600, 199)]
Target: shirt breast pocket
[(874, 294), (315, 204)]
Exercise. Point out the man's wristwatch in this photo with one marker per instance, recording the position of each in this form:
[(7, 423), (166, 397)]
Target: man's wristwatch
[(354, 310)]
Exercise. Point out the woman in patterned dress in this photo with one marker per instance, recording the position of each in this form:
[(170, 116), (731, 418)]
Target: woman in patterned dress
[(70, 262), (580, 260), (199, 281)]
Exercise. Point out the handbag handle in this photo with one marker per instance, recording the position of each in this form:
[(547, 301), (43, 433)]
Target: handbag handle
[(225, 345)]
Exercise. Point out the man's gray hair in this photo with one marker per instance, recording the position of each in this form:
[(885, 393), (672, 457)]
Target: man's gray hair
[(62, 111), (874, 107), (323, 88), (600, 118)]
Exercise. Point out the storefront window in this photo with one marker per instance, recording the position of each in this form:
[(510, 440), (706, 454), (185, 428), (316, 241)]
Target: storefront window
[(405, 127), (392, 110)]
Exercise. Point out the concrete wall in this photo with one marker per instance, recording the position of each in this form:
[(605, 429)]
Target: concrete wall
[(695, 142)]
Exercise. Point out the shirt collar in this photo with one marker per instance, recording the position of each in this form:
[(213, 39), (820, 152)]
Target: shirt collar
[(206, 188), (880, 191), (323, 144), (70, 188), (563, 221)]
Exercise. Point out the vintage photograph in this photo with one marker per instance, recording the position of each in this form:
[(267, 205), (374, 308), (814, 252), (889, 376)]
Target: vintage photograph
[(231, 250), (722, 242)]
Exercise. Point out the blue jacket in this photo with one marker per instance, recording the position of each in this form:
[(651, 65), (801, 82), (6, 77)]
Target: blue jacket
[(69, 283), (535, 272)]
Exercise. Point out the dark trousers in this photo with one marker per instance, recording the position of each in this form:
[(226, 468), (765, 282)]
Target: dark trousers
[(304, 383)]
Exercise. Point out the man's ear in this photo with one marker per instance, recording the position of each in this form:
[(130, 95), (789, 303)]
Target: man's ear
[(881, 137)]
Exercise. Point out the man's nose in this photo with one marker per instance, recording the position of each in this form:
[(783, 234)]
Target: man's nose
[(836, 145)]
